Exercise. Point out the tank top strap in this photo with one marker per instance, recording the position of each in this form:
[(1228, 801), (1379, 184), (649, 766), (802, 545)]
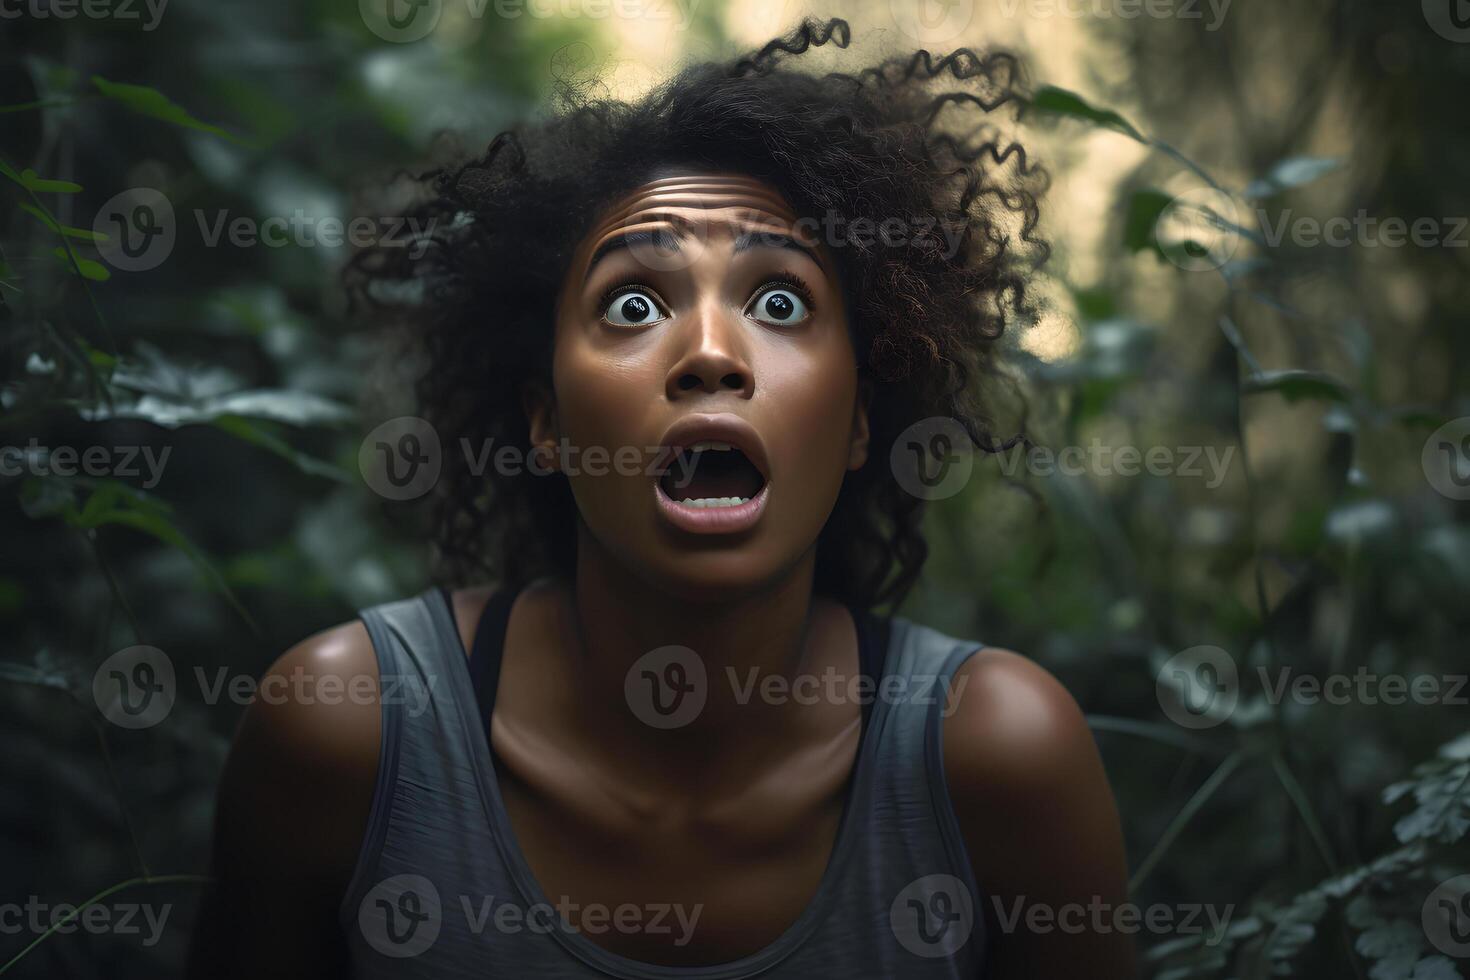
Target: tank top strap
[(424, 687), (910, 790)]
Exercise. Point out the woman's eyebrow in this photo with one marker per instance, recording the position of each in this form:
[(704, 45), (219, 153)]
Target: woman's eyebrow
[(775, 239), (659, 238)]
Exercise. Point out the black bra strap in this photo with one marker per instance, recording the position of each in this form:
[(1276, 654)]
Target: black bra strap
[(485, 655), (872, 637)]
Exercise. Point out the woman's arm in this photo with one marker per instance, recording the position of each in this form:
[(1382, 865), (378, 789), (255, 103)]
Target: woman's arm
[(1039, 821), (292, 810)]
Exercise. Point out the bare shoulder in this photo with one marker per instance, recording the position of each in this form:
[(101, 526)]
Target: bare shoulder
[(304, 762), (291, 814), (1011, 724), (1037, 816)]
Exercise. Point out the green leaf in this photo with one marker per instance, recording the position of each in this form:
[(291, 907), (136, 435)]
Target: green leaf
[(1141, 223), (26, 674), (61, 229), (1393, 944), (1060, 102), (1295, 927), (1441, 790), (244, 429), (1297, 384), (1095, 304), (99, 359), (1435, 968), (115, 503), (42, 185), (151, 102), (170, 412), (95, 271), (1291, 172), (36, 184)]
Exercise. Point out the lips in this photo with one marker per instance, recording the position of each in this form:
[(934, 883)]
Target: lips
[(717, 475)]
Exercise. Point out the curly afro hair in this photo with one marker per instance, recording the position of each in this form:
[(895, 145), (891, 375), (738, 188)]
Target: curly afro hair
[(911, 137)]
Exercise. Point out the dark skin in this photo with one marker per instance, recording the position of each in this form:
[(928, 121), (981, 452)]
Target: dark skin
[(736, 812)]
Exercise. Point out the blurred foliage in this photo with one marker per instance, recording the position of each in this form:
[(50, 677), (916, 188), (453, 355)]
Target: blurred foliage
[(1323, 550)]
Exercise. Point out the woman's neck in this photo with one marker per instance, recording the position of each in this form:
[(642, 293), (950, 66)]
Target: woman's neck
[(739, 640)]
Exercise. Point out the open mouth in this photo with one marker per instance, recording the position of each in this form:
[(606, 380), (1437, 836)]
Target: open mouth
[(711, 474), (717, 479)]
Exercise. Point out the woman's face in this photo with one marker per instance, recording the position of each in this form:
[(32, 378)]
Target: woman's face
[(700, 334)]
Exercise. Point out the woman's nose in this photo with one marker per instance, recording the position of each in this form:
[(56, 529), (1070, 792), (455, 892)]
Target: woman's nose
[(713, 357)]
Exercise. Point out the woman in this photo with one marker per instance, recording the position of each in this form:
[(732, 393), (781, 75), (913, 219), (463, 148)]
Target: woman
[(674, 740)]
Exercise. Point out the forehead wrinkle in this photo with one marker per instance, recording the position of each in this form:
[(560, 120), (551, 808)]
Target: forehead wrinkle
[(743, 226), (698, 193), (680, 204)]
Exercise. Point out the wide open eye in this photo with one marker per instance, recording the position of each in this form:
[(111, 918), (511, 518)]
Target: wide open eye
[(779, 306), (632, 309)]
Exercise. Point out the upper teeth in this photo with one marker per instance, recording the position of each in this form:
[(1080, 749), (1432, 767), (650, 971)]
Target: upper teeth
[(709, 444), (702, 502)]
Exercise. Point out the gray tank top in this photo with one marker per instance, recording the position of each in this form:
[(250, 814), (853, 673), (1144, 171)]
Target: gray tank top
[(442, 890)]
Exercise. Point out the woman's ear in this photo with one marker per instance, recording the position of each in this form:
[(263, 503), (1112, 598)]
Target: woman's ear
[(539, 404), (857, 453)]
